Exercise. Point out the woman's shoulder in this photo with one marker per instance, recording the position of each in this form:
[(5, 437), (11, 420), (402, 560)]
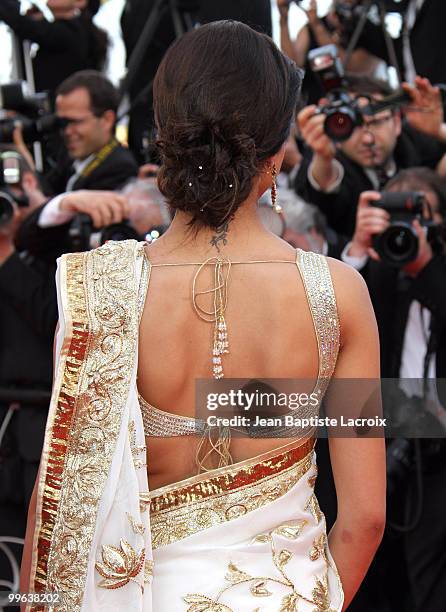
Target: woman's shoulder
[(112, 250), (352, 294), (343, 275)]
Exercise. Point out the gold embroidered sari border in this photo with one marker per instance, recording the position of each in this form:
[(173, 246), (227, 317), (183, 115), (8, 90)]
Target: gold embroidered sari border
[(231, 478), (194, 515), (98, 292), (64, 399)]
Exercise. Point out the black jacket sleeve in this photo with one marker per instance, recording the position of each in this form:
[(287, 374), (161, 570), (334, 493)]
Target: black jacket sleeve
[(50, 242), (339, 207), (44, 243), (58, 35), (31, 290)]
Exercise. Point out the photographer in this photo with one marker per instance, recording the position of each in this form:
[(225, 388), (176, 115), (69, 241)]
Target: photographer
[(317, 32), (93, 159), (333, 176), (426, 270), (68, 44), (26, 283), (28, 315), (421, 46), (410, 306)]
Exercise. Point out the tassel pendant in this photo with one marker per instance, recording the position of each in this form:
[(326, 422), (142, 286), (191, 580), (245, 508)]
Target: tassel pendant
[(221, 346), (219, 292)]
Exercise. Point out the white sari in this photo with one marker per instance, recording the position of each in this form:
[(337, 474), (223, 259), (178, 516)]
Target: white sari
[(245, 538)]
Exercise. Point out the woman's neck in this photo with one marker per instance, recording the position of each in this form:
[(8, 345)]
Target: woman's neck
[(245, 234)]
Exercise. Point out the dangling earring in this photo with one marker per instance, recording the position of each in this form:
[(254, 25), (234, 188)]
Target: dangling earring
[(276, 207)]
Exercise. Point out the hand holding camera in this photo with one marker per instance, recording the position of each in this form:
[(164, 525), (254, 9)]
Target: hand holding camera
[(391, 227), (424, 254), (342, 112), (370, 220), (312, 128), (103, 207)]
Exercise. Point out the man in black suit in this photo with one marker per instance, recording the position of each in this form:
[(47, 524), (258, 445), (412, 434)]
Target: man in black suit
[(93, 159), (87, 103), (28, 315), (422, 45), (410, 307), (332, 177)]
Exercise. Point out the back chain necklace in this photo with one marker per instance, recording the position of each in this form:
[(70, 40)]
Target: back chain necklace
[(222, 270)]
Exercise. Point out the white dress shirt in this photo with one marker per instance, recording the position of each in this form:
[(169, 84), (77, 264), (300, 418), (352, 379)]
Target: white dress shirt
[(51, 214)]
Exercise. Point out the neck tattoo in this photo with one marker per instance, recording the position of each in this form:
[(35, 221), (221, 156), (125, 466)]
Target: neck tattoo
[(220, 236)]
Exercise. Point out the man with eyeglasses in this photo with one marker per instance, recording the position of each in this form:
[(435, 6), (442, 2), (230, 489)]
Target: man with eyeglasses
[(86, 104), (333, 176)]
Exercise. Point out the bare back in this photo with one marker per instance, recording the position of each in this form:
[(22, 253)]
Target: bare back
[(271, 335)]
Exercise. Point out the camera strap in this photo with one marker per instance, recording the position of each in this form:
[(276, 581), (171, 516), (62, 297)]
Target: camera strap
[(100, 157)]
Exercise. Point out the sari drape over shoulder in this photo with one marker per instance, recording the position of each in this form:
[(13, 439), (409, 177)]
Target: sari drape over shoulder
[(249, 537)]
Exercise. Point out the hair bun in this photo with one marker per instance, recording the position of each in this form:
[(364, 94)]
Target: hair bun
[(224, 98), (207, 162)]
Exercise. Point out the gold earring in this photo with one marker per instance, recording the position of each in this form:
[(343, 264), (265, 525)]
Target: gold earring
[(276, 207)]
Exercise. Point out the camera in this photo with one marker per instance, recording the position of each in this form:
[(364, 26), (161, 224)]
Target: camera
[(84, 237), (33, 113), (342, 113), (398, 244), (10, 175)]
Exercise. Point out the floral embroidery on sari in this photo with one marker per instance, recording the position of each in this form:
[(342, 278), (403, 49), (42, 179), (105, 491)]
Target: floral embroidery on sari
[(120, 565), (136, 450), (137, 528), (259, 586)]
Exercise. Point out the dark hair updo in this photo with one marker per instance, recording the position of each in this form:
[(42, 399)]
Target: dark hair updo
[(224, 100)]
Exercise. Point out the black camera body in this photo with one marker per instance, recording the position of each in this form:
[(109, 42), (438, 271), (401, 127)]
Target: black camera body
[(10, 175), (33, 113), (398, 244), (342, 116), (84, 237), (342, 113)]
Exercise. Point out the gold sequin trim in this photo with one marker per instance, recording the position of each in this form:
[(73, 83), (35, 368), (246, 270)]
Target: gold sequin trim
[(193, 514), (229, 478), (318, 286), (100, 308), (137, 527)]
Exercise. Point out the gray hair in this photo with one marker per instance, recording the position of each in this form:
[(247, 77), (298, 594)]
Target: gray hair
[(300, 216), (148, 189)]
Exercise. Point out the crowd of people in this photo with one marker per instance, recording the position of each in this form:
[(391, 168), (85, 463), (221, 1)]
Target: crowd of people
[(331, 195)]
